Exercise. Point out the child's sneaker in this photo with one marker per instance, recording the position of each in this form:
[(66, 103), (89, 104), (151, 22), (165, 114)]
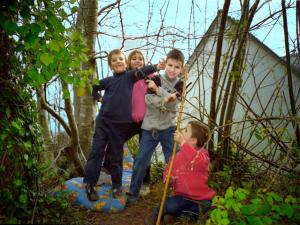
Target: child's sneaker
[(145, 190), (117, 192), (91, 193), (131, 199)]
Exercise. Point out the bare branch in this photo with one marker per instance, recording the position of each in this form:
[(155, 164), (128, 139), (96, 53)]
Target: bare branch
[(110, 6)]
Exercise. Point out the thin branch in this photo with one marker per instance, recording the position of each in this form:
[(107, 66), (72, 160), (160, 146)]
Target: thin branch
[(289, 73), (45, 106), (110, 6)]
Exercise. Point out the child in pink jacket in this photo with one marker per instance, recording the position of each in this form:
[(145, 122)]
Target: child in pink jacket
[(189, 174)]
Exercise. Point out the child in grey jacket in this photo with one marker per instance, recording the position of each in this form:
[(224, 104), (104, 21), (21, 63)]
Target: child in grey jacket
[(159, 121)]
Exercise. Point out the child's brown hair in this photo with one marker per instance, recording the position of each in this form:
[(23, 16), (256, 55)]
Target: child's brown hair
[(114, 52), (201, 132), (135, 51), (176, 54)]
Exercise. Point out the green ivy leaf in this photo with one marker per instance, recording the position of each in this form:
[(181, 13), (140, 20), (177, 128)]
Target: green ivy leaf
[(29, 163), (254, 220), (10, 28), (74, 9), (54, 45), (16, 124), (241, 194), (30, 39), (249, 209), (25, 12), (267, 220), (18, 182), (35, 29), (26, 156), (229, 203), (33, 73), (53, 20), (229, 193), (274, 196), (224, 221), (289, 210), (263, 209), (23, 198), (46, 58), (7, 112), (23, 31)]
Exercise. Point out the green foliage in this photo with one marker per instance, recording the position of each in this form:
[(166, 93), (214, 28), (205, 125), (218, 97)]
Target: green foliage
[(133, 146), (156, 171), (243, 206), (37, 48), (43, 45)]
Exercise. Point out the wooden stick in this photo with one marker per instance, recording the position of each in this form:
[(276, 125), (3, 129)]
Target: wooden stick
[(185, 73)]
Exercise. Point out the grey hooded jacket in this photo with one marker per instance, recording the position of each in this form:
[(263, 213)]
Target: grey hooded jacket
[(160, 115)]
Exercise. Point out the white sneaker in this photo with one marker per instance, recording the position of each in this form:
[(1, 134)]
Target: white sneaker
[(145, 190)]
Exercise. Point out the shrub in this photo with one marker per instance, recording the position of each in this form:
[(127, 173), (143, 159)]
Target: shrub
[(242, 206)]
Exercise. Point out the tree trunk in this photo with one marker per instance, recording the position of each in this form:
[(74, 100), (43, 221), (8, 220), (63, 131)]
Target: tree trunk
[(289, 74), (237, 70), (212, 115), (73, 150), (84, 105)]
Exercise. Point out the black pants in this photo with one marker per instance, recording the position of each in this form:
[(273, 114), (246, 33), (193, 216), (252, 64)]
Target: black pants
[(134, 129), (112, 134)]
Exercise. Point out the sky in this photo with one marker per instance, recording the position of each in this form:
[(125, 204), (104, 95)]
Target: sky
[(187, 18)]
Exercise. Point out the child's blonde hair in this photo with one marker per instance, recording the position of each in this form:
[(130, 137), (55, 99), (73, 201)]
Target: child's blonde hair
[(201, 132), (131, 54), (114, 52)]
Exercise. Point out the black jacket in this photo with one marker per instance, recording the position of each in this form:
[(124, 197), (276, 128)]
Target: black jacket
[(116, 102)]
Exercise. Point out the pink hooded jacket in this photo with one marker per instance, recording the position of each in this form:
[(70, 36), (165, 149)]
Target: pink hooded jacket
[(189, 174)]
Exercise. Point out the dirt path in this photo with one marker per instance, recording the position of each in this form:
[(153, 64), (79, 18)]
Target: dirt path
[(133, 215)]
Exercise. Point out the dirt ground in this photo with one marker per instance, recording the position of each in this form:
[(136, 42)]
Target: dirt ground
[(133, 215)]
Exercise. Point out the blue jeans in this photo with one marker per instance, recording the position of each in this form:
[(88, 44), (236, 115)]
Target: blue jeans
[(179, 205), (149, 141)]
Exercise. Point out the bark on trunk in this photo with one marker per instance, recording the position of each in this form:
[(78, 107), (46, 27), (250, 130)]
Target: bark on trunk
[(84, 105)]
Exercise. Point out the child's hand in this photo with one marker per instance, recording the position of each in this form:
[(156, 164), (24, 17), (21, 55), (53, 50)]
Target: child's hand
[(161, 64), (151, 85), (178, 137), (171, 98), (97, 96)]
